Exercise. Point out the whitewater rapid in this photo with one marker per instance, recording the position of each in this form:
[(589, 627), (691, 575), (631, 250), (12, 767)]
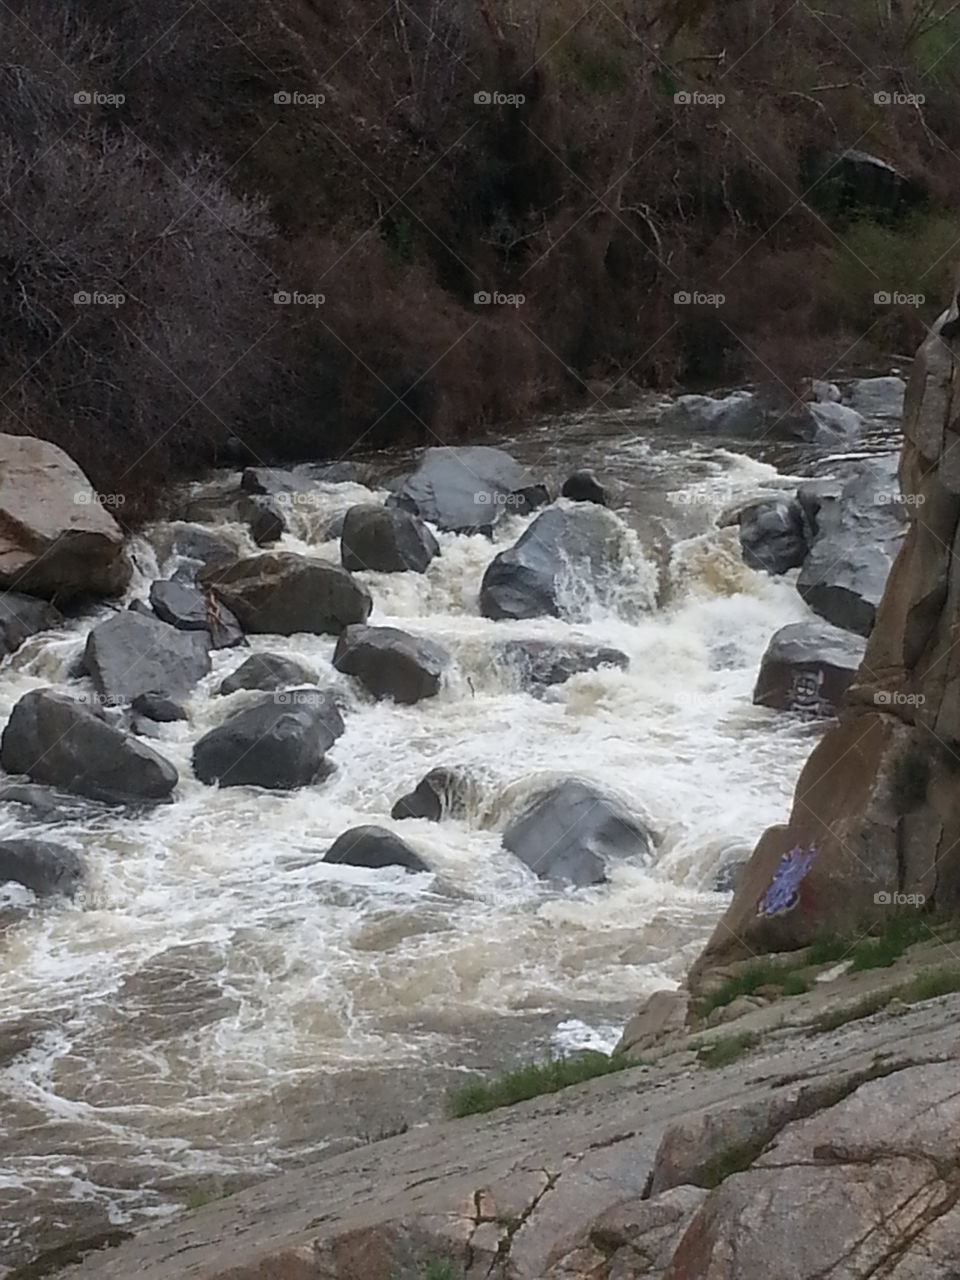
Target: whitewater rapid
[(215, 979)]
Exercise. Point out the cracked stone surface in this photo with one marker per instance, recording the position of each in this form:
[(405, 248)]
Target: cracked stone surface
[(813, 1164)]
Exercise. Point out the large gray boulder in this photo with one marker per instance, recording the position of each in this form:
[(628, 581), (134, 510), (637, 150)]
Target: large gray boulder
[(773, 535), (876, 397), (808, 667), (283, 594), (572, 831), (390, 663), (386, 539), (189, 609), (737, 414), (267, 671), (52, 738), (21, 617), (565, 548), (768, 413), (539, 663), (39, 865), (280, 742), (131, 654), (57, 537), (375, 847), (859, 535), (464, 490)]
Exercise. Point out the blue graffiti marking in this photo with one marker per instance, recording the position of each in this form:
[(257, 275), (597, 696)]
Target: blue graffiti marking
[(783, 892)]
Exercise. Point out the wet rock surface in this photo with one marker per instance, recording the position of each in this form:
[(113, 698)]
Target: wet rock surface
[(807, 668), (387, 540), (282, 593), (21, 617), (46, 868), (372, 846), (389, 663), (463, 490), (131, 654), (280, 742)]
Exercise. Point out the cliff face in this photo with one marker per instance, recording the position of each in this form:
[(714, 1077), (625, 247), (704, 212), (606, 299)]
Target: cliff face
[(875, 823)]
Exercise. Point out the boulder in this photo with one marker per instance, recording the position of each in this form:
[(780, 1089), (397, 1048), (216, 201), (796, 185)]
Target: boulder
[(189, 609), (773, 535), (386, 539), (463, 490), (193, 545), (566, 549), (859, 536), (583, 486), (808, 667), (56, 536), (876, 397), (539, 663), (153, 706), (280, 742), (273, 482), (52, 738), (661, 1016), (282, 594), (571, 832), (737, 414), (769, 412), (435, 796), (267, 671), (373, 846), (390, 663), (264, 519), (45, 868), (21, 617), (130, 654)]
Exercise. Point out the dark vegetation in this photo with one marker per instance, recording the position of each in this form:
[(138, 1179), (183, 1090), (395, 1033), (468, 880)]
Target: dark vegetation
[(532, 1081), (599, 198)]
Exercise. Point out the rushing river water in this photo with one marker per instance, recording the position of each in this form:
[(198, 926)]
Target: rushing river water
[(219, 1003)]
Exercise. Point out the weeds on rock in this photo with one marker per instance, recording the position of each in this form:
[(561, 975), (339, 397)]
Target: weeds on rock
[(721, 1053), (532, 1081), (925, 986)]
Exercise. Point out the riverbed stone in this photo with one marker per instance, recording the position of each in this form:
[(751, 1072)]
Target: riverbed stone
[(51, 738), (280, 742), (188, 609), (46, 868), (571, 832), (540, 663), (463, 490), (23, 616), (386, 540), (441, 793), (155, 707), (130, 654), (268, 671), (281, 593), (565, 549), (390, 663), (372, 846), (583, 486), (57, 537), (808, 667), (773, 535), (877, 397)]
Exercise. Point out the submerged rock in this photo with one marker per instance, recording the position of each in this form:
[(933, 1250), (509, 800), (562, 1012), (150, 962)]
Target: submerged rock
[(540, 663), (130, 654), (373, 846), (280, 742), (53, 739), (21, 617), (877, 397), (282, 594), (40, 865), (267, 671), (464, 490), (390, 663), (571, 832), (808, 667), (583, 486), (434, 797), (57, 537), (153, 706), (563, 548), (386, 540)]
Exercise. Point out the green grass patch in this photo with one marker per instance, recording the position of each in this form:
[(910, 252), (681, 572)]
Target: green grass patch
[(720, 1053), (828, 950), (532, 1081), (439, 1271)]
